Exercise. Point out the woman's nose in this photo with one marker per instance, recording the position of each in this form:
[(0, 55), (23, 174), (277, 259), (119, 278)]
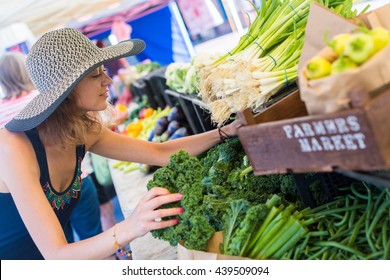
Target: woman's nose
[(107, 79)]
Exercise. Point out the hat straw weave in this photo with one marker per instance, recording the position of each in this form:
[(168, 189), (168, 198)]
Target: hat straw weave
[(56, 63)]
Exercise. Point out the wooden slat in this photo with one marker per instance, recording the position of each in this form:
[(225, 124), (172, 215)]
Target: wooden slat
[(295, 144)]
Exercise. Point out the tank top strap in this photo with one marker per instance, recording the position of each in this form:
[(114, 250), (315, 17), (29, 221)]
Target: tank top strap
[(80, 151), (40, 153)]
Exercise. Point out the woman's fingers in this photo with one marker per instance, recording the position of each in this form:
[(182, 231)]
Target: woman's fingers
[(157, 197), (162, 213), (154, 192), (148, 214), (164, 224)]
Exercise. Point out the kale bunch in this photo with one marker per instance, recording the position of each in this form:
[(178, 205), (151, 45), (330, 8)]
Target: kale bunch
[(219, 162), (209, 183), (183, 175)]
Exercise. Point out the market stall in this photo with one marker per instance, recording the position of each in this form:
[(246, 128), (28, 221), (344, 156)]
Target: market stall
[(268, 194)]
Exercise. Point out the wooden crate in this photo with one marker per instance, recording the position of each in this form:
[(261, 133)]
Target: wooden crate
[(284, 138)]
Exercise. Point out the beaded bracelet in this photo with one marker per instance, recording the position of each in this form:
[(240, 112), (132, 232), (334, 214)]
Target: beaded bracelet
[(122, 251), (223, 135)]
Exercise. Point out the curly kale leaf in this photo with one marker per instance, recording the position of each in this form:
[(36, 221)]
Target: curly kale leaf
[(183, 174), (200, 232), (220, 160)]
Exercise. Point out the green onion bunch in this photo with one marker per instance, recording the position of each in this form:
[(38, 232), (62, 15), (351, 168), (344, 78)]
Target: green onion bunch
[(264, 60)]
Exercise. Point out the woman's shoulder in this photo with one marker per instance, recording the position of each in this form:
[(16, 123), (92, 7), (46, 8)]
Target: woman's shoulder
[(13, 142), (17, 158)]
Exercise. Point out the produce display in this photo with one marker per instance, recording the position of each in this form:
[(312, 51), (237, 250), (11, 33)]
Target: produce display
[(169, 127), (209, 182), (127, 76), (140, 127), (264, 60), (262, 217), (157, 126), (353, 226), (349, 52), (262, 231), (183, 76), (180, 78)]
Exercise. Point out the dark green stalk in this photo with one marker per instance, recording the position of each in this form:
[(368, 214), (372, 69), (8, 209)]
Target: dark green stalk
[(273, 212), (286, 232), (298, 235), (273, 227), (246, 171)]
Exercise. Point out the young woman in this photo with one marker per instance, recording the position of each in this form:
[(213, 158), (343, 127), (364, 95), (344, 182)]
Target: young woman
[(18, 90), (42, 148)]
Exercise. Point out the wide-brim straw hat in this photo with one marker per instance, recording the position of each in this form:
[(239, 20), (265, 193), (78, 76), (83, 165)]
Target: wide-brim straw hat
[(56, 63)]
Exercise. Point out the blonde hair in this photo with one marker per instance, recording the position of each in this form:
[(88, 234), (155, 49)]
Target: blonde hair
[(14, 78), (66, 126)]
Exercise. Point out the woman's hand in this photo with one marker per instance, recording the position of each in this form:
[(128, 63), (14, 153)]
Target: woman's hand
[(232, 128), (145, 217)]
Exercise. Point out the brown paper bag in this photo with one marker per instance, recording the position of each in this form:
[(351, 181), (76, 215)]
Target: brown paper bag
[(321, 21), (213, 252), (331, 93), (378, 17)]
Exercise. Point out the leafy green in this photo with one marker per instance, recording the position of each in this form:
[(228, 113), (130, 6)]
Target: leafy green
[(262, 231), (183, 175), (210, 183)]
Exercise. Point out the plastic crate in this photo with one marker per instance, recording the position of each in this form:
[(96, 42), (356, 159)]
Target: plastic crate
[(157, 84), (171, 97), (139, 88), (203, 115), (188, 110), (325, 184)]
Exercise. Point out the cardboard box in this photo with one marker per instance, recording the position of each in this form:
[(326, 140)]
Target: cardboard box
[(212, 251)]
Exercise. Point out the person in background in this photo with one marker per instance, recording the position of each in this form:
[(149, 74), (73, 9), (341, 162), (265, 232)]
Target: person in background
[(16, 85), (20, 90), (47, 141)]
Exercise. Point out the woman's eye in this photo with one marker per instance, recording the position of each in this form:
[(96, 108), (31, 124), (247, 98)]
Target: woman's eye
[(101, 71)]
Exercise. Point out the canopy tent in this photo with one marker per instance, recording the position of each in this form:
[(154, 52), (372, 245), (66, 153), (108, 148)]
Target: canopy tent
[(44, 15)]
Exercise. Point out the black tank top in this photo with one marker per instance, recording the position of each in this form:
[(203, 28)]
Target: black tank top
[(15, 241), (64, 202)]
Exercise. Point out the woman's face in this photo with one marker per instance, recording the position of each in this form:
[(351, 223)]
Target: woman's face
[(92, 91)]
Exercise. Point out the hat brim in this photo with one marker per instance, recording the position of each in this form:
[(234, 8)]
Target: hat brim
[(107, 54)]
